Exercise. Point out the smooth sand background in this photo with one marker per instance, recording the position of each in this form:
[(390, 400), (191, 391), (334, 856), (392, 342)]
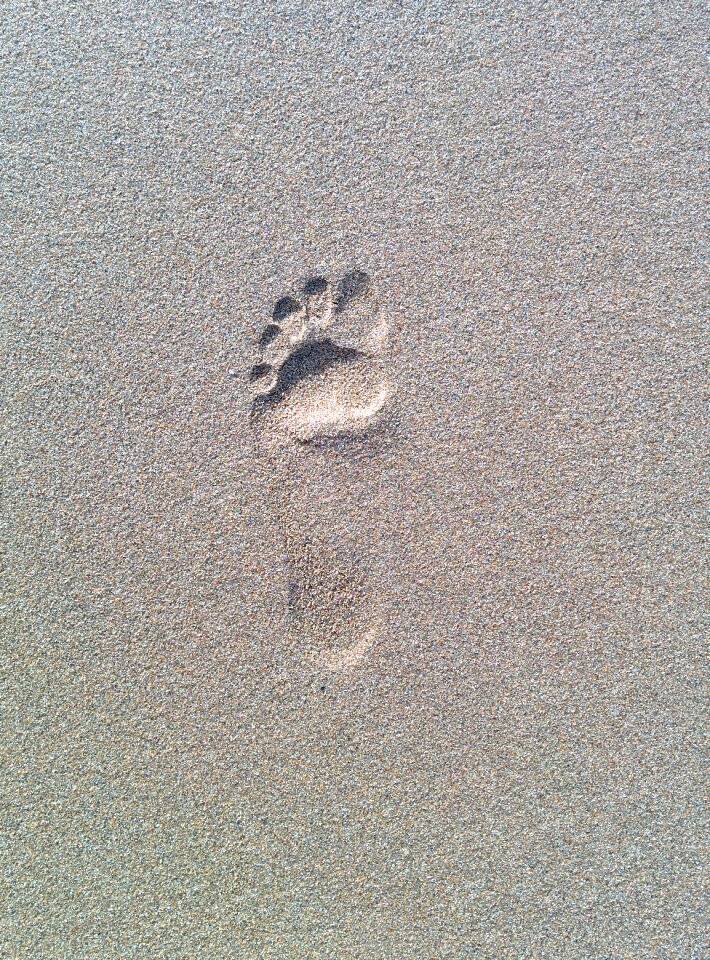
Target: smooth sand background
[(515, 771)]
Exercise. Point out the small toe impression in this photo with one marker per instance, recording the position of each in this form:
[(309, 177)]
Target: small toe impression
[(263, 378), (315, 286), (288, 319), (284, 308), (258, 371), (354, 286), (270, 333), (319, 302)]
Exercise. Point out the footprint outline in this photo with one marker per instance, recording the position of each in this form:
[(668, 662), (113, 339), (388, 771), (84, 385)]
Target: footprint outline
[(322, 379)]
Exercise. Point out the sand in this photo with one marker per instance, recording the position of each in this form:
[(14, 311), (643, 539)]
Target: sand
[(405, 660)]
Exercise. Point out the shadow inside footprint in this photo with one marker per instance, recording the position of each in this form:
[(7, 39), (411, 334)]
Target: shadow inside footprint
[(309, 360)]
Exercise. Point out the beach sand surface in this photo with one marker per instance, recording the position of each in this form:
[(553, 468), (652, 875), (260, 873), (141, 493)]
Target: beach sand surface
[(354, 480)]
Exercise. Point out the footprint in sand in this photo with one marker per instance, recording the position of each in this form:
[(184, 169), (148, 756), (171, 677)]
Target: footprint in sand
[(320, 397)]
